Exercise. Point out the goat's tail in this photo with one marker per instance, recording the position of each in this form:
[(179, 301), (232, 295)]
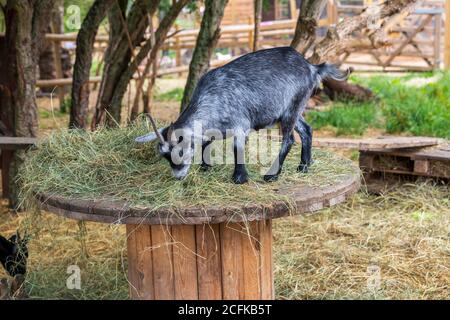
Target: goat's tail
[(330, 71)]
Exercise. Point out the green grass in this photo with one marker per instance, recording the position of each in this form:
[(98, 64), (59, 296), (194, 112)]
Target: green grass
[(46, 114), (346, 118), (423, 111), (172, 95)]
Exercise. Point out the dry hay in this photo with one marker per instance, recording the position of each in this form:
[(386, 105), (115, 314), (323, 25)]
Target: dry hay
[(404, 235), (109, 165), (404, 232)]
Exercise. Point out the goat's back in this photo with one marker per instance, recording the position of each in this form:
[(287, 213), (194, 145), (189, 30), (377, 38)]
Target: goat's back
[(259, 87)]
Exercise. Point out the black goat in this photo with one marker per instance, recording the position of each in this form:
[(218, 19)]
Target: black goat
[(252, 92), (14, 254)]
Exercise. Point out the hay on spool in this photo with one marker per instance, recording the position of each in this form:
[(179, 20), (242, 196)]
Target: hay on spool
[(109, 165)]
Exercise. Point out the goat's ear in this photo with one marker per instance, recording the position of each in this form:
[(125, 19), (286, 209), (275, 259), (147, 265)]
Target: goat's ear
[(149, 137)]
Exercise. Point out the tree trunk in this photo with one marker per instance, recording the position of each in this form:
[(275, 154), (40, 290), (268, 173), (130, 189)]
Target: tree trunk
[(258, 16), (147, 97), (148, 51), (46, 65), (206, 42), (305, 30), (46, 56), (26, 22), (83, 62), (343, 90), (126, 33), (140, 83), (340, 39)]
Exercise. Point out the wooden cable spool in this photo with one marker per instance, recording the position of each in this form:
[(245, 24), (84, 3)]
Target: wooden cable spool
[(202, 253)]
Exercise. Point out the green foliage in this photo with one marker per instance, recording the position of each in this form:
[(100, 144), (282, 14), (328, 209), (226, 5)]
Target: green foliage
[(421, 110), (172, 95), (418, 110), (2, 22), (164, 6), (350, 118), (46, 114), (65, 105)]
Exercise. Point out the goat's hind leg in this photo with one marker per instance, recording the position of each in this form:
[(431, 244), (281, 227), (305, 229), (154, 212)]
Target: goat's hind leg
[(240, 174), (305, 131), (206, 156), (286, 144)]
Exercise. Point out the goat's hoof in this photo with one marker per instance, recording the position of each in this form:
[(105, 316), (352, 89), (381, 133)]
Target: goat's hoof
[(240, 178), (303, 168), (270, 177)]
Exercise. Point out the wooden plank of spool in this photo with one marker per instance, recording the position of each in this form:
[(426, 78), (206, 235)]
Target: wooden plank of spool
[(209, 262), (251, 261), (163, 278), (185, 262), (232, 273)]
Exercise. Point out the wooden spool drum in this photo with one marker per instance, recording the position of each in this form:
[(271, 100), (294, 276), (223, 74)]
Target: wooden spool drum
[(201, 253)]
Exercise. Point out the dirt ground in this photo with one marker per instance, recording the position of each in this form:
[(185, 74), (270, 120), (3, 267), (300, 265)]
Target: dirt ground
[(392, 246)]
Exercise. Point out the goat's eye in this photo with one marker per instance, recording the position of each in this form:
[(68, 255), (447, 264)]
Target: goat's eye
[(181, 153)]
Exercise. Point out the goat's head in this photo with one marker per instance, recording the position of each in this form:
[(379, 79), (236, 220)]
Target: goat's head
[(174, 145), (14, 254)]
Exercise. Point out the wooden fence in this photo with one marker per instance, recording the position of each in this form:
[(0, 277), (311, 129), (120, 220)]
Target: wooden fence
[(417, 38)]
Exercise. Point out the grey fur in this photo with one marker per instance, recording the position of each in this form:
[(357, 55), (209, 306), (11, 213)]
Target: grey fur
[(253, 92)]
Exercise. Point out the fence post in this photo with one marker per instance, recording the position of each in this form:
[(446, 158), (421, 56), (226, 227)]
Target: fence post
[(177, 49), (58, 65), (250, 33), (447, 35), (331, 13), (294, 11), (437, 40)]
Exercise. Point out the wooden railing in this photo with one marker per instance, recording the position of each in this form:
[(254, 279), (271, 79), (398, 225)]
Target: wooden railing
[(279, 33)]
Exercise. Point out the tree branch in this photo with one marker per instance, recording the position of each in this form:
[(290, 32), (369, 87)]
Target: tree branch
[(148, 50), (206, 42), (336, 41), (305, 30), (83, 61), (41, 17)]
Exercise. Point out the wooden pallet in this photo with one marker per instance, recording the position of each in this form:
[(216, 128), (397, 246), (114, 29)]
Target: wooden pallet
[(384, 142), (415, 161)]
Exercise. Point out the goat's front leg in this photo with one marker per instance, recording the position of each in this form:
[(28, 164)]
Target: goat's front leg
[(240, 174), (286, 144), (305, 132), (206, 157)]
